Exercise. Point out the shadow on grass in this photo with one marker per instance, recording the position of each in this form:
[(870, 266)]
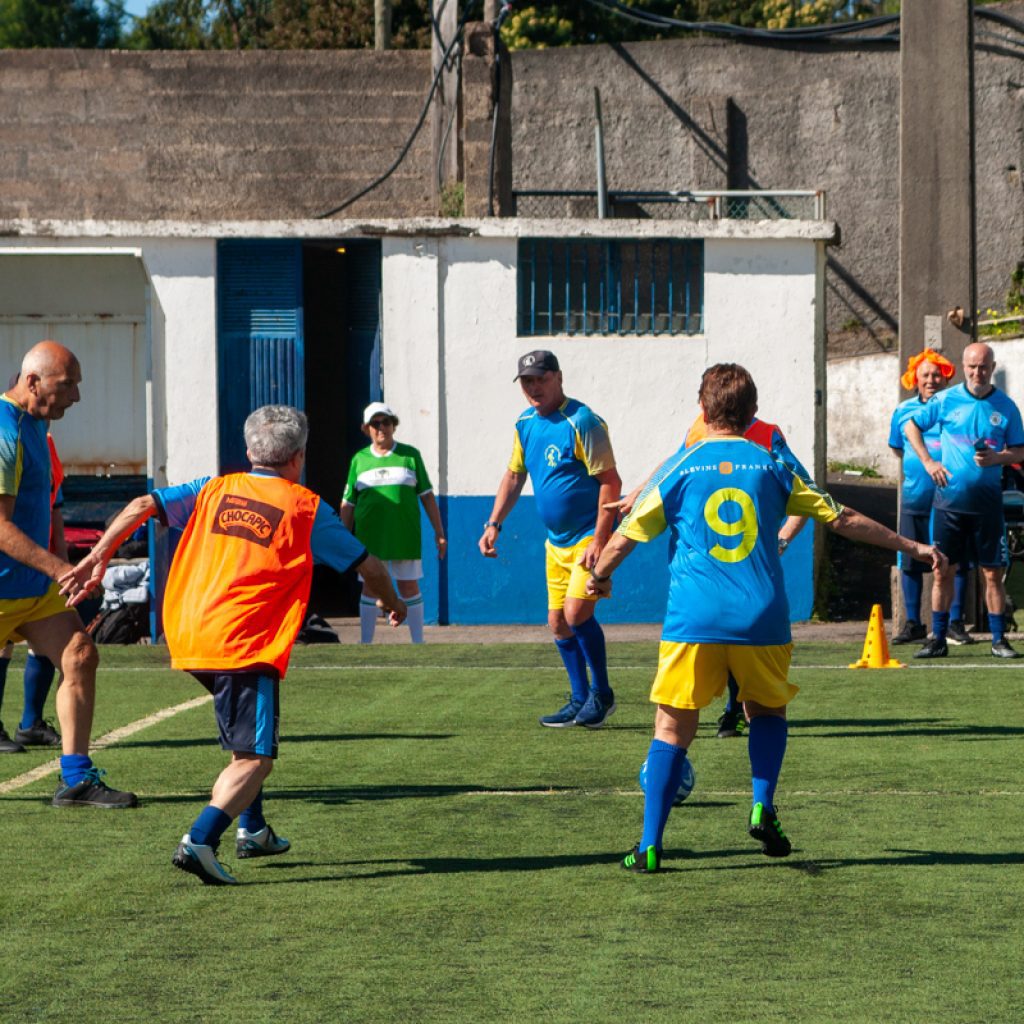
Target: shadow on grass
[(399, 867), (212, 741), (340, 795), (880, 728), (676, 862)]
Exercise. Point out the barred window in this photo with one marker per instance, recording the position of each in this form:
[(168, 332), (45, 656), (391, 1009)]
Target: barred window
[(575, 286)]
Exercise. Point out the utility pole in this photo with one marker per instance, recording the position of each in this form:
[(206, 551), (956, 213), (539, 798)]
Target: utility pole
[(937, 187), (445, 116), (382, 24)]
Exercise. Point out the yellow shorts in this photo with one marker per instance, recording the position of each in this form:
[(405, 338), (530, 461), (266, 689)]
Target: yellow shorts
[(17, 611), (693, 675), (566, 577)]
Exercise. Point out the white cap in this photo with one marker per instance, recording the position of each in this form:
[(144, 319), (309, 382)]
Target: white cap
[(378, 409)]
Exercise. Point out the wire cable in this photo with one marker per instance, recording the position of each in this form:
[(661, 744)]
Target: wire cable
[(441, 66)]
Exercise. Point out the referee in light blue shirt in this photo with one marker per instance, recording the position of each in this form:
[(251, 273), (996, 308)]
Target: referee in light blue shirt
[(980, 432)]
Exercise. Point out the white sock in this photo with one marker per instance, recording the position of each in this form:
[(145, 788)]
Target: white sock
[(415, 618), (368, 612)]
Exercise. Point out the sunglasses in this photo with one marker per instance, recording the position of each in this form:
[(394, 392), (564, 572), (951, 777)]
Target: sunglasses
[(379, 424)]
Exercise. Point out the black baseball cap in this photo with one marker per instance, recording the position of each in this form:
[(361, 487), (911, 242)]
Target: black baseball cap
[(536, 364)]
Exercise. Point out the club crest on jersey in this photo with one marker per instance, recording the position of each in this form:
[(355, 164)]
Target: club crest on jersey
[(552, 455), (995, 419), (250, 520)]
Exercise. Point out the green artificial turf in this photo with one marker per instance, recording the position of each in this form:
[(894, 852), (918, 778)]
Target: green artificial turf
[(452, 861)]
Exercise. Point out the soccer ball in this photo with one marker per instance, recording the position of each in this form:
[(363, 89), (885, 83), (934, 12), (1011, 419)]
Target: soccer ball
[(686, 783)]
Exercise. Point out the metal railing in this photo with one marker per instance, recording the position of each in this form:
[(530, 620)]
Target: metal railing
[(734, 204)]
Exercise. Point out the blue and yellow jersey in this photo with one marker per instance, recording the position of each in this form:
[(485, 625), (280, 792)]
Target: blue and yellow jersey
[(963, 421), (563, 453), (723, 501), (918, 486), (25, 476)]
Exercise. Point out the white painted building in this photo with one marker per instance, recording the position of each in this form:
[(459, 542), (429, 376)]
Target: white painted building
[(430, 314)]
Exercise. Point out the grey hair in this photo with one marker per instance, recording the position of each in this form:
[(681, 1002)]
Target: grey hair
[(274, 434)]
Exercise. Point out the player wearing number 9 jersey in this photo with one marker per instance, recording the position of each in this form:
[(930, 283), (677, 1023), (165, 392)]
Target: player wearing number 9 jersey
[(722, 502)]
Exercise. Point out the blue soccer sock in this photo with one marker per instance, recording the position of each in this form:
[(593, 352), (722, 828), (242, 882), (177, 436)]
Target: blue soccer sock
[(912, 585), (767, 748), (211, 824), (576, 665), (5, 664), (940, 624), (956, 609), (74, 768), (591, 638), (665, 763), (997, 624), (252, 817), (39, 673), (733, 703)]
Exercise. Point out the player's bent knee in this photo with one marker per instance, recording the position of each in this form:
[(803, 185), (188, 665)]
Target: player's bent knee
[(81, 657)]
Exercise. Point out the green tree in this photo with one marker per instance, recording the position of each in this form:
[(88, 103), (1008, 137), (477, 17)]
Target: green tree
[(275, 24), (31, 24)]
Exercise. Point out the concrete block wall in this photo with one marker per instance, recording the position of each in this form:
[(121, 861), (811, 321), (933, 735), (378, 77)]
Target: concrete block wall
[(209, 135)]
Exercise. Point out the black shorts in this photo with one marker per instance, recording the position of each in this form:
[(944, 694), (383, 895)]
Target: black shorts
[(964, 535), (248, 710)]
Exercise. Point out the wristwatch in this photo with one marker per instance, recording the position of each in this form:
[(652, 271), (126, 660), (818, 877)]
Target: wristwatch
[(599, 579), (490, 523), (783, 544)]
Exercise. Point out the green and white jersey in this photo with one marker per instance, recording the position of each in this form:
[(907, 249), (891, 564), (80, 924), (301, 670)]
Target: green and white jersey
[(385, 491)]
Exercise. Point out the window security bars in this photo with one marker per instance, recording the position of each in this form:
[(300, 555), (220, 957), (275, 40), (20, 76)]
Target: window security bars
[(605, 287)]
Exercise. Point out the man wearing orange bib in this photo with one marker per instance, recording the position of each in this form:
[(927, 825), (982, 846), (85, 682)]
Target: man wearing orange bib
[(234, 603)]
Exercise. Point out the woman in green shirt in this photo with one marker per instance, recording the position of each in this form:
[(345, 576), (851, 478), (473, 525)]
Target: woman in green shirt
[(387, 481)]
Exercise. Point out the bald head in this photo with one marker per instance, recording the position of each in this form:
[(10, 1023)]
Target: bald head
[(49, 379), (47, 358), (979, 363)]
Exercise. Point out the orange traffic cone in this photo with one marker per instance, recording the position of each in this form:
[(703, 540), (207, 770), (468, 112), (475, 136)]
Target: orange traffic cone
[(876, 647)]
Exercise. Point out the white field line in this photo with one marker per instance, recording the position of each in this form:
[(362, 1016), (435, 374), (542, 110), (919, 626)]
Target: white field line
[(110, 738)]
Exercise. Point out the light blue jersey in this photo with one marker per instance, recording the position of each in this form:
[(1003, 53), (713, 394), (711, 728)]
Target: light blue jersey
[(963, 420), (723, 501), (918, 486), (563, 453), (330, 542), (24, 476)]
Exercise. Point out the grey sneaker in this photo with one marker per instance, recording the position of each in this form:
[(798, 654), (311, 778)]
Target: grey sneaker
[(39, 734), (201, 861), (264, 843), (597, 709), (7, 745), (1002, 649)]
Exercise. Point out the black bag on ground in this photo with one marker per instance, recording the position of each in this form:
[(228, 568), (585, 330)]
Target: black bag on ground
[(315, 630), (125, 625)]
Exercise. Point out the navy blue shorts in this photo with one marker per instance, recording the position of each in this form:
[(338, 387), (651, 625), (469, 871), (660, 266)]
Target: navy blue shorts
[(918, 526), (915, 526), (963, 535), (248, 710)]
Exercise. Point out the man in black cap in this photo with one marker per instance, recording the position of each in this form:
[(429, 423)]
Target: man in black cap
[(564, 447)]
